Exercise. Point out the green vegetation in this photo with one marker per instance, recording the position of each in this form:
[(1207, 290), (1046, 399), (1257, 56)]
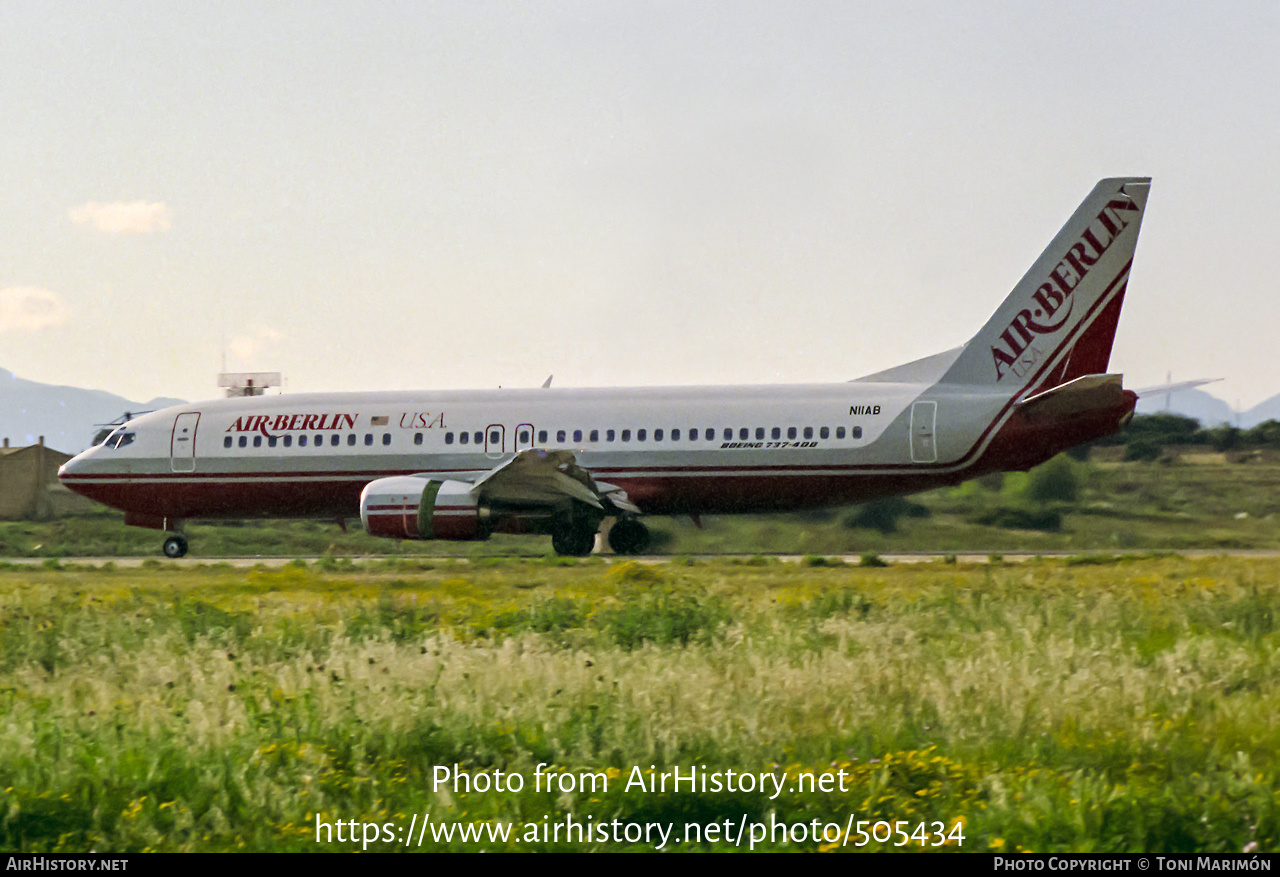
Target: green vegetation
[(1201, 501), (1160, 431), (1114, 703), (1190, 498)]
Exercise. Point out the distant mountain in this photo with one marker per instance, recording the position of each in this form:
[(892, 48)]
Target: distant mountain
[(67, 417), (1209, 410), (1268, 409)]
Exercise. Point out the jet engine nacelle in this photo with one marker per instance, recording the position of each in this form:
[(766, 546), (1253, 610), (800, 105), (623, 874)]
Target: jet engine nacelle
[(405, 507)]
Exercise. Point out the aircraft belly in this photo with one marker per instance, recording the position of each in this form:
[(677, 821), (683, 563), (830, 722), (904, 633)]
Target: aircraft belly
[(245, 498)]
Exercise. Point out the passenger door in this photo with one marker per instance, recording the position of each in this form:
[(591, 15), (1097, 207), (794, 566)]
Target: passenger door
[(924, 446), (182, 444), (495, 440)]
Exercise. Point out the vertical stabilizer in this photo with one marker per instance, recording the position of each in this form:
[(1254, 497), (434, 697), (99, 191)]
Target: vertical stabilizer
[(1060, 320)]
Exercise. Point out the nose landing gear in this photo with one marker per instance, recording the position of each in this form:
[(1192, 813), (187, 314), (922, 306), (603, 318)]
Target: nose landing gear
[(175, 546)]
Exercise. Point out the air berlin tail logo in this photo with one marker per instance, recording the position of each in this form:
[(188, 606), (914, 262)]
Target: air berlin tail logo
[(1052, 302)]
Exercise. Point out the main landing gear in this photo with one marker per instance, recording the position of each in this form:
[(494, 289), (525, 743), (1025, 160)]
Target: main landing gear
[(629, 536), (175, 546), (577, 538), (572, 541)]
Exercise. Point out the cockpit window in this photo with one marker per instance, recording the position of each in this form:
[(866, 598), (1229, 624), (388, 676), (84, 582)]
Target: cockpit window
[(119, 438)]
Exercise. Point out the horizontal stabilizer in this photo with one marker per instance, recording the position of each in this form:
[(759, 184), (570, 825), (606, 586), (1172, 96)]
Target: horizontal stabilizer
[(1174, 387), (1082, 395)]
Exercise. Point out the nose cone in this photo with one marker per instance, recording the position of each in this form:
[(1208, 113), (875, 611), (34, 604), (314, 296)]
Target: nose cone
[(74, 465), (71, 471)]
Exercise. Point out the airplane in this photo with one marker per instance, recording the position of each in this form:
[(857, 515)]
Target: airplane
[(461, 465)]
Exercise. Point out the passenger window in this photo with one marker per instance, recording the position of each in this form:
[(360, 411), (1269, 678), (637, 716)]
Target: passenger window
[(777, 433), (759, 432), (479, 437), (608, 435), (271, 441), (288, 441), (368, 439), (840, 432), (495, 439), (244, 442), (595, 435), (857, 432), (448, 438), (302, 441), (560, 436), (257, 441), (825, 432), (386, 438), (351, 440), (335, 439), (791, 432), (693, 435), (657, 435), (744, 434), (542, 436), (226, 442), (577, 435), (319, 441), (626, 435), (524, 436), (641, 435), (417, 438), (675, 435), (465, 437)]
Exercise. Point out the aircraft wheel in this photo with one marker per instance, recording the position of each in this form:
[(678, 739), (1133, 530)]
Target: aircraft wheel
[(175, 547), (629, 536), (573, 542)]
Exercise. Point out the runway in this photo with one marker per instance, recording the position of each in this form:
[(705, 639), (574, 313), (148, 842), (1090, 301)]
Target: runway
[(994, 558)]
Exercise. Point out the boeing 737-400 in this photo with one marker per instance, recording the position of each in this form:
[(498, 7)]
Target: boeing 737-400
[(463, 465)]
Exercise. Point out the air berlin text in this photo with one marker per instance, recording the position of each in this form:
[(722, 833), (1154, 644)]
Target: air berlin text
[(268, 425), (1052, 301)]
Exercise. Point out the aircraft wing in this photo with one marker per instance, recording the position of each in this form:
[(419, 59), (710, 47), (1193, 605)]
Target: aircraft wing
[(1084, 394), (548, 477)]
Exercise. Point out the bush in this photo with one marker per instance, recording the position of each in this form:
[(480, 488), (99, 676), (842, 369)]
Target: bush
[(1223, 438), (1266, 434), (1141, 450), (1013, 518), (1163, 429), (883, 514), (1054, 481), (1079, 453)]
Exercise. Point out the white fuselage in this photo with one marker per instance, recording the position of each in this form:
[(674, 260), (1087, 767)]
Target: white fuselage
[(697, 449)]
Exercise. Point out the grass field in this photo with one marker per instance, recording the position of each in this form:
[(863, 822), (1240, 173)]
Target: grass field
[(1087, 704)]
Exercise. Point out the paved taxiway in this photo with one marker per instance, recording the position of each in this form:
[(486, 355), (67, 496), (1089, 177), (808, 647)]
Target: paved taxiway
[(851, 559)]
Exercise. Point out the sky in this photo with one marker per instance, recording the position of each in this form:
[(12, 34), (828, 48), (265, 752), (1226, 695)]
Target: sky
[(381, 195)]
